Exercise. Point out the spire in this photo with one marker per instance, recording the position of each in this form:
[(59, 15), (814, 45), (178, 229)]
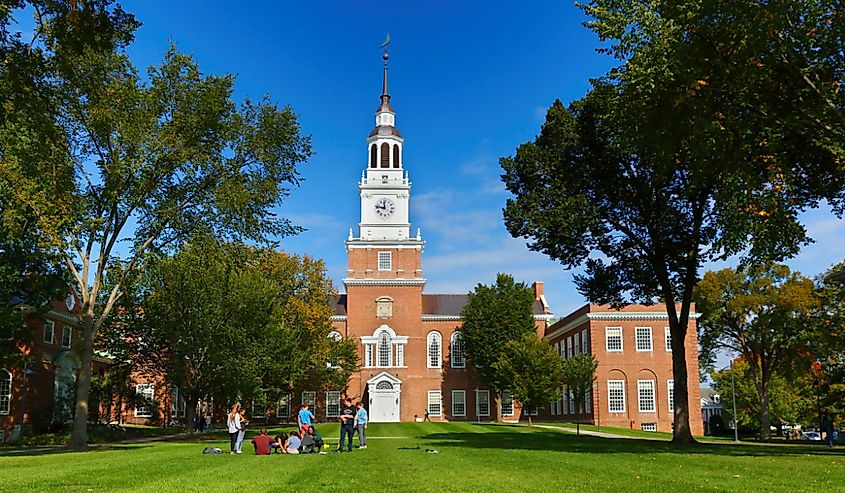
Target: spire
[(385, 96), (385, 117)]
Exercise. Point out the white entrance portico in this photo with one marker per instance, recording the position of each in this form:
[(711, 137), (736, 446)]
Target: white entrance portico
[(385, 392)]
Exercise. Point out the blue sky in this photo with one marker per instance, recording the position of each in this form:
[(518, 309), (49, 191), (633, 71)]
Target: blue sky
[(469, 82)]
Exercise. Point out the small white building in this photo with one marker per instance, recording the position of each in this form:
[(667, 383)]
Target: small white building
[(711, 405)]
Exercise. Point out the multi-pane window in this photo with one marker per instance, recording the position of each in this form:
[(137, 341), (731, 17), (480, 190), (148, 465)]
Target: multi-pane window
[(588, 401), (335, 337), (458, 353), (671, 394), (616, 396), (384, 349), (435, 355), (178, 405), (368, 355), (613, 339), (571, 403), (385, 261), (645, 393), (644, 339), (507, 403), (332, 404), (648, 426), (667, 336), (400, 355), (258, 410), (49, 331), (584, 345), (66, 335), (459, 403), (568, 347), (576, 350), (557, 347), (144, 395), (5, 392), (309, 396), (434, 403), (283, 407), (482, 403)]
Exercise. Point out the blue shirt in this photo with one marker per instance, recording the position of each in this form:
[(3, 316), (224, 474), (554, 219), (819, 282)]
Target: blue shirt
[(305, 417), (361, 416), (294, 442)]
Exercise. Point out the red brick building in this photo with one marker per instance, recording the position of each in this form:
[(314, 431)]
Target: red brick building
[(634, 383)]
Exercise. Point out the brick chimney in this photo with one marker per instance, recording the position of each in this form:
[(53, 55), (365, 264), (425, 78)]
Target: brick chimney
[(538, 289)]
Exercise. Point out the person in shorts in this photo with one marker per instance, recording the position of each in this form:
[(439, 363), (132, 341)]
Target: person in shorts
[(305, 418)]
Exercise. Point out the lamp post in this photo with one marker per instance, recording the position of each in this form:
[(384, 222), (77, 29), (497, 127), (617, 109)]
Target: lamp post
[(733, 398)]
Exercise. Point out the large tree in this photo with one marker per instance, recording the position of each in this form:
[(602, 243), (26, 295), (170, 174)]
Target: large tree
[(493, 316), (707, 141), (762, 313), (133, 163), (532, 370)]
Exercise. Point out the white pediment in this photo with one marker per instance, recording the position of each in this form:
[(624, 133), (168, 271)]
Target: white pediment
[(384, 377)]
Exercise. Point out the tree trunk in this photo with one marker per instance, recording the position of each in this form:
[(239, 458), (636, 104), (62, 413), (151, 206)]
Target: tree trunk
[(765, 416), (79, 436), (497, 409), (190, 413), (530, 424), (682, 433)]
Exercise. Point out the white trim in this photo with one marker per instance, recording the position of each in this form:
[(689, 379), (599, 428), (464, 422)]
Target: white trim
[(6, 396), (650, 340), (459, 338), (69, 330), (52, 332), (429, 317), (670, 395), (338, 318), (621, 340), (333, 393), (63, 316), (645, 385), (383, 282), (283, 402), (388, 261), (409, 244), (510, 398), (667, 339), (613, 316), (609, 400), (544, 316), (439, 403), (479, 392), (462, 393), (384, 376), (143, 389), (431, 338)]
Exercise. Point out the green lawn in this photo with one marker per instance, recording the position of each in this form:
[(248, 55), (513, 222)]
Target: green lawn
[(472, 458)]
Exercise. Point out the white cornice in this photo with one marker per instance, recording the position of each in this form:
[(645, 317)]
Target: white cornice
[(63, 316), (544, 316), (349, 281), (614, 316), (398, 244), (338, 318), (442, 318)]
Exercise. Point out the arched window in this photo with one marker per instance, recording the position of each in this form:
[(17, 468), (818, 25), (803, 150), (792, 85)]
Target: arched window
[(384, 349), (395, 155), (459, 357), (373, 156), (384, 385), (435, 352), (385, 155), (5, 391), (333, 361)]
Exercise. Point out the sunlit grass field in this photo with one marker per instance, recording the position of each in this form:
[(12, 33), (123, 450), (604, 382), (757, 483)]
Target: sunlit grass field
[(472, 457)]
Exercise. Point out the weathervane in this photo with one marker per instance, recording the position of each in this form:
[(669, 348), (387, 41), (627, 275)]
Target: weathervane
[(384, 48)]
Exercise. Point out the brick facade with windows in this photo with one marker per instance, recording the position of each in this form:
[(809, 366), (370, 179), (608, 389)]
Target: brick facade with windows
[(634, 384)]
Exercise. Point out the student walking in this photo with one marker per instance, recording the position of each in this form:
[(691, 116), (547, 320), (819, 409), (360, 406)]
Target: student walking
[(827, 428), (242, 432), (361, 425), (305, 417), (347, 424), (233, 424)]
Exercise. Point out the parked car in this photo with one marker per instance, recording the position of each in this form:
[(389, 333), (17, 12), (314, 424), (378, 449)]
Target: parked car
[(811, 435)]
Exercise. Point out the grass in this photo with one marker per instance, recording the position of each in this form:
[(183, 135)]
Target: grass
[(472, 457)]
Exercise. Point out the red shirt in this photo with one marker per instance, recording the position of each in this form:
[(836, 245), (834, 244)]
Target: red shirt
[(262, 444)]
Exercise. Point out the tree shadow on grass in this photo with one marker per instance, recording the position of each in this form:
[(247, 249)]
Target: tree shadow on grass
[(551, 441), (62, 450)]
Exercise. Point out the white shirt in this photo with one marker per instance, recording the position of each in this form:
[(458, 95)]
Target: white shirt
[(234, 424)]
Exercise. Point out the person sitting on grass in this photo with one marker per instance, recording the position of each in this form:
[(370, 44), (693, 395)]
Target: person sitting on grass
[(318, 439), (294, 442), (280, 443), (309, 445), (262, 443)]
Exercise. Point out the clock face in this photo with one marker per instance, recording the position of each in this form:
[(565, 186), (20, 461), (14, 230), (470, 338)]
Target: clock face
[(70, 301), (385, 208)]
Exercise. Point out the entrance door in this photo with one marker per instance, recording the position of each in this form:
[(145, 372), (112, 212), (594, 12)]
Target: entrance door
[(384, 403)]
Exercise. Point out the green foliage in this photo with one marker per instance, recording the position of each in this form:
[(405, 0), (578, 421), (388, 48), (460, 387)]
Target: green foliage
[(827, 340), (723, 123), (761, 312), (98, 154), (579, 374), (532, 370), (493, 316)]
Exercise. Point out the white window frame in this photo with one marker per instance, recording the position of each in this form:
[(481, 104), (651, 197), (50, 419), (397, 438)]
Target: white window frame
[(385, 261), (568, 347), (434, 350), (400, 355), (588, 401), (67, 329), (640, 334), (457, 351), (557, 349), (572, 409), (576, 345), (368, 355), (667, 339), (178, 405), (585, 348), (435, 403), (459, 398), (5, 392), (612, 332), (670, 394), (52, 338), (332, 399), (309, 396), (283, 404), (258, 410), (147, 393), (643, 388), (507, 403), (384, 338), (615, 386), (648, 427), (564, 401), (479, 400)]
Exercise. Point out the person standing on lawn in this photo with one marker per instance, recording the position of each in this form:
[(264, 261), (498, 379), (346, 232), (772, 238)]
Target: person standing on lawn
[(305, 418), (233, 423), (242, 432), (827, 427), (262, 443), (347, 423), (361, 425)]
